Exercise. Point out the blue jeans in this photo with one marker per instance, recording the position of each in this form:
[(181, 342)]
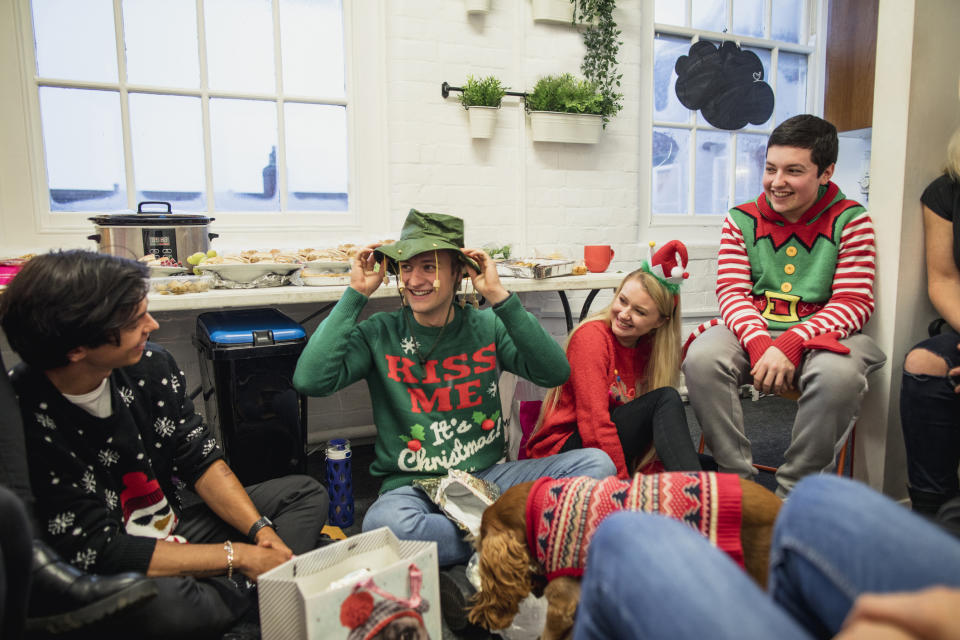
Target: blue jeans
[(834, 539), (411, 515)]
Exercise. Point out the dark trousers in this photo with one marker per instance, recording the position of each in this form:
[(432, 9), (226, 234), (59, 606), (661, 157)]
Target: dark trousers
[(205, 607), (930, 417), (656, 417)]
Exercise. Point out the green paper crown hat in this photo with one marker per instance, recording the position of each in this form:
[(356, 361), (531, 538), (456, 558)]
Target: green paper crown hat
[(427, 232)]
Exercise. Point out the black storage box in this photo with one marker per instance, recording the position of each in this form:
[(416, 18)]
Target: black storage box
[(247, 359)]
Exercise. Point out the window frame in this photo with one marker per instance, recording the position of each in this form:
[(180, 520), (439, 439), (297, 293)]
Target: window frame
[(366, 140), (703, 228)]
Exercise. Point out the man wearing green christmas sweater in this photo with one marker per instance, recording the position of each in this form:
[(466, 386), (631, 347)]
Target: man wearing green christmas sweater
[(432, 368), (795, 287)]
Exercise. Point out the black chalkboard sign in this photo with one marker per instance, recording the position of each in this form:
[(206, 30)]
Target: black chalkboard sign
[(725, 84)]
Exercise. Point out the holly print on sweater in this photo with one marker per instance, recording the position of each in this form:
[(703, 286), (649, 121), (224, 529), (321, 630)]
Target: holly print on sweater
[(444, 412), (107, 488)]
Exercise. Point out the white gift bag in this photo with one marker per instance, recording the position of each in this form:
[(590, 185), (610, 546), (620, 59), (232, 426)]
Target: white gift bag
[(355, 589)]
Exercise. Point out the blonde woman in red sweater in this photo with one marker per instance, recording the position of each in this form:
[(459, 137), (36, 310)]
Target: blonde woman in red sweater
[(621, 396)]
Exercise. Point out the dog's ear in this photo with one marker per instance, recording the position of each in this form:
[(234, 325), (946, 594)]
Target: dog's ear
[(504, 578)]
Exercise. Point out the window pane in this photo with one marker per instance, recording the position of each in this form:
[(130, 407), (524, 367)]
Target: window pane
[(240, 45), (167, 139), (712, 189), (666, 106), (670, 12), (316, 157), (84, 149), (161, 42), (709, 15), (751, 158), (791, 85), (75, 40), (670, 170), (244, 138), (748, 17), (311, 38), (786, 21)]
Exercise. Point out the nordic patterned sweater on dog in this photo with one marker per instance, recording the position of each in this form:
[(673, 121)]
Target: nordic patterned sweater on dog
[(562, 515)]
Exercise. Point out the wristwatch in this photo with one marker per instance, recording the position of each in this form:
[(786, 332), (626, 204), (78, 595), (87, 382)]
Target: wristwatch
[(259, 524)]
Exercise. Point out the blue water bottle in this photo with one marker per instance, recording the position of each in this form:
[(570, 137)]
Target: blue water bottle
[(340, 482)]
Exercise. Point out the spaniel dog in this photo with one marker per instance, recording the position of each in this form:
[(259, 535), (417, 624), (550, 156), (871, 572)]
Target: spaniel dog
[(535, 537)]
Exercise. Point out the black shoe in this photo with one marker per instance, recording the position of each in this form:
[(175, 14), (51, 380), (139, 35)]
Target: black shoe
[(63, 598)]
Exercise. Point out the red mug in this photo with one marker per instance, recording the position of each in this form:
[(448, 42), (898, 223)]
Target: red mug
[(597, 257)]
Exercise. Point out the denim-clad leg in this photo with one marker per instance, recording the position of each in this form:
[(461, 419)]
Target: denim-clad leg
[(412, 516), (652, 577), (836, 538)]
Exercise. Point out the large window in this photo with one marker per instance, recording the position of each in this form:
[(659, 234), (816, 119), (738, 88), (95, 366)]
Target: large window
[(698, 171), (224, 106)]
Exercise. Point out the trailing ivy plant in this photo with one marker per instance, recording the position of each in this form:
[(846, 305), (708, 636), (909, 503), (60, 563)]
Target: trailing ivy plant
[(485, 92), (602, 40), (566, 94)]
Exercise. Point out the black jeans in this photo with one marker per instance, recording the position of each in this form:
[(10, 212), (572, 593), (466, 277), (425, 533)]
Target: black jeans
[(930, 417), (657, 417)]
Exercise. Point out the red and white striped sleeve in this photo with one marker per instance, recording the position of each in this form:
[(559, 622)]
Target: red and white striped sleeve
[(734, 287), (851, 300)]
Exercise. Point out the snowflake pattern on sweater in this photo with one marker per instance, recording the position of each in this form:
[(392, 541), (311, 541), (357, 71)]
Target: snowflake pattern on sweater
[(78, 461), (444, 412)]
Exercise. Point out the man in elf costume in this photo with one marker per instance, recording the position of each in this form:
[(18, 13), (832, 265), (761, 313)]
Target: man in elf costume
[(432, 368), (795, 287)]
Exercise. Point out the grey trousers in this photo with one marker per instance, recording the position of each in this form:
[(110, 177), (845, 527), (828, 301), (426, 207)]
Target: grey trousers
[(831, 387)]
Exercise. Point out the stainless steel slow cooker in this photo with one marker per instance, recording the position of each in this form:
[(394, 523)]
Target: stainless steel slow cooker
[(164, 234)]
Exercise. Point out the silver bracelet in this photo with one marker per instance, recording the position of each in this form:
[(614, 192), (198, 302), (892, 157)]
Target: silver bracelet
[(228, 547)]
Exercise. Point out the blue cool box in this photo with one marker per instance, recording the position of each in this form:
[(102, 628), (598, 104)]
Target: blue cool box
[(243, 332)]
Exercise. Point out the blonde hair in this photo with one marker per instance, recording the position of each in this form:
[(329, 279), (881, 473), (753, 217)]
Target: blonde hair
[(663, 367), (953, 156)]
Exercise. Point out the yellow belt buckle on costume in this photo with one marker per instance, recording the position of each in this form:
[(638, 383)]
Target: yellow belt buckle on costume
[(775, 303)]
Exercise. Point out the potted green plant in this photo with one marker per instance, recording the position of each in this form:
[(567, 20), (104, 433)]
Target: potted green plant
[(565, 109), (481, 98), (601, 37)]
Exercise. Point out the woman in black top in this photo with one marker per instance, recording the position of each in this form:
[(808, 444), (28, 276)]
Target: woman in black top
[(930, 394)]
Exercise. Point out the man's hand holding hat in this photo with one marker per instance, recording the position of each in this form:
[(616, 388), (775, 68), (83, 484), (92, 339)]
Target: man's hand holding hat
[(364, 276), (486, 280)]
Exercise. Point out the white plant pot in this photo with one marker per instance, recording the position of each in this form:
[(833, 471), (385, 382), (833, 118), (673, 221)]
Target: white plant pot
[(578, 128), (553, 11), (482, 121), (477, 6)]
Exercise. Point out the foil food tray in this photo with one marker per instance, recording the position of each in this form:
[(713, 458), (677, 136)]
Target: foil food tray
[(539, 269)]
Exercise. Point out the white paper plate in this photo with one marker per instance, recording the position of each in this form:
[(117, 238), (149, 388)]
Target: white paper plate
[(163, 272), (327, 266), (249, 272)]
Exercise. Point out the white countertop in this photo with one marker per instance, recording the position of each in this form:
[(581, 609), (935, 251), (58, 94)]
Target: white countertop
[(232, 298)]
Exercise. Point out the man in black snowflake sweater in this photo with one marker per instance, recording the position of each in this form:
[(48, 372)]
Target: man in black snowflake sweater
[(112, 438)]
